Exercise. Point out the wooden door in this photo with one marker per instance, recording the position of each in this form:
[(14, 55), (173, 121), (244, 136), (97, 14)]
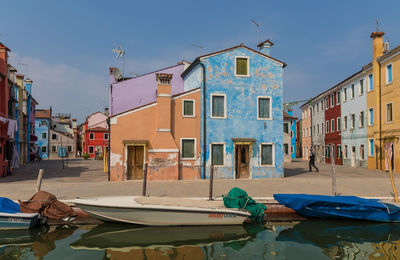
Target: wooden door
[(242, 161), (135, 162)]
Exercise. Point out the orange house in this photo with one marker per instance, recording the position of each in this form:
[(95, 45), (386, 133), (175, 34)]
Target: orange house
[(164, 134)]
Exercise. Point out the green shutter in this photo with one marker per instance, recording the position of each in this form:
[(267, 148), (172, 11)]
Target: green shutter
[(187, 148), (188, 107), (266, 154), (217, 154), (218, 106), (241, 66), (263, 108)]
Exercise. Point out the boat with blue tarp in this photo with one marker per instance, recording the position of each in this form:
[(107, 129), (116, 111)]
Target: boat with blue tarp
[(11, 216), (340, 207)]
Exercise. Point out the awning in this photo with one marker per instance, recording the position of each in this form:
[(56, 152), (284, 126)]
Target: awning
[(246, 140)]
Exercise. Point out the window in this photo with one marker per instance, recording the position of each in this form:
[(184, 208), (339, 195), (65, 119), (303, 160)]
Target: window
[(345, 123), (327, 103), (327, 151), (286, 150), (332, 125), (371, 116), (91, 149), (188, 148), (345, 152), (362, 119), (217, 154), (345, 94), (291, 134), (267, 154), (43, 122), (389, 113), (105, 136), (44, 135), (53, 148), (322, 104), (69, 148), (338, 97), (291, 149), (338, 124), (91, 136), (371, 147), (389, 74), (313, 110), (286, 128), (339, 151), (318, 129), (370, 83), (44, 149), (264, 108), (218, 106), (322, 128), (352, 121), (317, 107), (188, 108), (362, 152), (242, 66), (332, 100), (53, 137), (352, 91), (314, 130), (361, 87), (327, 127)]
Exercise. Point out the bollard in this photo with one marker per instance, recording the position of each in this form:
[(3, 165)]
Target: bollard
[(39, 180), (144, 180), (210, 197)]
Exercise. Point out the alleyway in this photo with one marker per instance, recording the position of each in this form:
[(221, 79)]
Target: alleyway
[(85, 178)]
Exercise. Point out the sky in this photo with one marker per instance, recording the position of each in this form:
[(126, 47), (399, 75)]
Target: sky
[(67, 45)]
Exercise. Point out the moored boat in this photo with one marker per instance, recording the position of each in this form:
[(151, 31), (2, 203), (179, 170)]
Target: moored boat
[(340, 207), (162, 211), (12, 218)]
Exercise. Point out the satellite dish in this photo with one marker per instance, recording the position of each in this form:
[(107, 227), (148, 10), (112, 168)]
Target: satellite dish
[(119, 51), (117, 74)]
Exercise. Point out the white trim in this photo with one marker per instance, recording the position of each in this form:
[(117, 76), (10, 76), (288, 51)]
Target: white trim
[(163, 95), (270, 108), (345, 126), (332, 97), (327, 128), (369, 116), (359, 87), (162, 150), (338, 123), (369, 83), (387, 74), (163, 130), (345, 153), (273, 155), (89, 149), (359, 120), (352, 121), (338, 99), (352, 90), (362, 158), (248, 66), (187, 93), (183, 108), (369, 147), (389, 122), (333, 125), (104, 136), (224, 154), (93, 136), (211, 106), (194, 148)]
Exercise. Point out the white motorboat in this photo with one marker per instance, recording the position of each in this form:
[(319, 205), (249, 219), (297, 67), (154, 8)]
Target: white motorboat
[(162, 211)]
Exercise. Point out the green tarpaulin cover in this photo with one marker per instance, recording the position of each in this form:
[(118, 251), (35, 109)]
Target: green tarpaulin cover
[(238, 198)]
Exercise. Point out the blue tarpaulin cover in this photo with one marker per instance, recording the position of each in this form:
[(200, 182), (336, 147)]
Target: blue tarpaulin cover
[(9, 206), (322, 206)]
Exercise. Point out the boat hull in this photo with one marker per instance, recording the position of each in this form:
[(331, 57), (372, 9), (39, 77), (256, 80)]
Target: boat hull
[(161, 215), (18, 220)]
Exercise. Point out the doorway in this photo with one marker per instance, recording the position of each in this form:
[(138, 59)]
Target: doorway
[(353, 156), (135, 163), (242, 161)]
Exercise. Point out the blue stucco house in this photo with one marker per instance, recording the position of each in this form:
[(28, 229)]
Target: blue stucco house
[(293, 135), (241, 112), (42, 127)]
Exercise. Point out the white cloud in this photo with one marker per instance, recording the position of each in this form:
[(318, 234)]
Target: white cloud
[(65, 88)]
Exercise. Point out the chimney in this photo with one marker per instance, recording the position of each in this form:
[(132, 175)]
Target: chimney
[(106, 111), (377, 45), (265, 47), (163, 138)]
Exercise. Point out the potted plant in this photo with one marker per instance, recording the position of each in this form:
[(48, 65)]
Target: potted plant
[(85, 156)]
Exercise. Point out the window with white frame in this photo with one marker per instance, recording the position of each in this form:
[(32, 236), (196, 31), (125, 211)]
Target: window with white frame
[(389, 113), (91, 149), (43, 122), (318, 130), (361, 87), (352, 121), (362, 152), (338, 97), (322, 128), (327, 127), (91, 136), (345, 123), (370, 116), (218, 105), (188, 148), (345, 152), (264, 108), (327, 103), (332, 125), (370, 83), (54, 148), (352, 91), (332, 100), (371, 147), (339, 151), (44, 149), (242, 66), (317, 107), (344, 94), (313, 130), (338, 125), (361, 119), (322, 105), (327, 151), (389, 74), (217, 154), (105, 136), (267, 154), (188, 108), (44, 135)]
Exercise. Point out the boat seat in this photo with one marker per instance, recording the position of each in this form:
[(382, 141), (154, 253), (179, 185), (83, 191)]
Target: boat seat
[(182, 202)]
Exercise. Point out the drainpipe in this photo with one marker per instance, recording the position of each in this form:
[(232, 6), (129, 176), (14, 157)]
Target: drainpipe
[(204, 120), (380, 118), (109, 149)]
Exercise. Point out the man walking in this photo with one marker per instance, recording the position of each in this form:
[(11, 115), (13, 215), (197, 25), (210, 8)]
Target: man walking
[(311, 162)]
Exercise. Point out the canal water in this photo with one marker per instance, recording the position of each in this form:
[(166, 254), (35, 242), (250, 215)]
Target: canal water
[(311, 239)]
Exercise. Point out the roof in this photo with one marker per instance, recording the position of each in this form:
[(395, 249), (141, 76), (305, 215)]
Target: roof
[(3, 46), (43, 113), (387, 54), (287, 116), (97, 129), (197, 60), (266, 41)]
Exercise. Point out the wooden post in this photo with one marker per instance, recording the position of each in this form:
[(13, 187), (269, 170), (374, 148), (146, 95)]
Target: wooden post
[(210, 197), (144, 180), (39, 180), (333, 171), (396, 198)]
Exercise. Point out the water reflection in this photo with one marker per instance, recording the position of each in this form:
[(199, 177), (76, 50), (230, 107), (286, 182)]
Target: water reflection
[(311, 239)]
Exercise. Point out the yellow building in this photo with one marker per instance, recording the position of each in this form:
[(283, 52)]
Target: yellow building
[(383, 98)]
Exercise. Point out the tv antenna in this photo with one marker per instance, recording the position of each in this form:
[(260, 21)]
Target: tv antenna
[(258, 30), (26, 67), (197, 46), (377, 25), (120, 55)]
